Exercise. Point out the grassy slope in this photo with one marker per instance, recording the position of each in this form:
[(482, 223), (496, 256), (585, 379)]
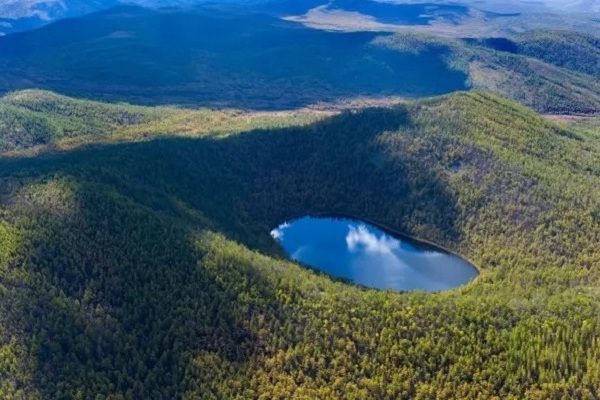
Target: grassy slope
[(120, 274), (588, 125)]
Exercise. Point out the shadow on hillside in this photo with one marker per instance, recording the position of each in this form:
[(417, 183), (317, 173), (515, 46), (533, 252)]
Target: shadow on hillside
[(121, 304), (246, 184), (113, 301)]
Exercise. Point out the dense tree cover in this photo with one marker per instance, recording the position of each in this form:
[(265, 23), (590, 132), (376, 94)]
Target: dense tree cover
[(572, 50), (30, 118), (146, 270), (207, 57)]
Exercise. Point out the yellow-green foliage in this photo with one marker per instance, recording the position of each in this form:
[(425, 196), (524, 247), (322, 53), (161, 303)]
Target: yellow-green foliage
[(146, 269), (8, 244), (34, 120)]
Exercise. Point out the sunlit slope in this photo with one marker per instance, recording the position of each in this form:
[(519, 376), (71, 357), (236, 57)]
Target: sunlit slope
[(129, 270), (35, 120)]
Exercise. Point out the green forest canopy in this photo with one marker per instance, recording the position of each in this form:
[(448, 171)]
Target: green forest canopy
[(145, 269)]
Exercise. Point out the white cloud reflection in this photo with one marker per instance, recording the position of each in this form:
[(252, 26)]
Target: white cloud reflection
[(277, 233), (361, 237)]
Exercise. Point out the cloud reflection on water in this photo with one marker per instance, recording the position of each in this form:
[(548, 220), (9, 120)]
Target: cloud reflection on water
[(361, 237), (369, 256)]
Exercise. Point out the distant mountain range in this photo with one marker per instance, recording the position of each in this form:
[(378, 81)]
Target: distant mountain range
[(253, 60), (583, 6), (21, 15), (575, 5)]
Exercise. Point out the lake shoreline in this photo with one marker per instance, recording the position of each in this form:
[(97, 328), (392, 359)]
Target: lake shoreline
[(422, 245)]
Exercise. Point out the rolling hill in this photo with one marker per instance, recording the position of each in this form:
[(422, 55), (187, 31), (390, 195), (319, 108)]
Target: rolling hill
[(571, 50), (146, 154), (486, 15), (145, 268), (532, 68), (458, 19)]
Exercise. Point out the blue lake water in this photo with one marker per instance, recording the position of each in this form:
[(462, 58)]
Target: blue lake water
[(368, 256)]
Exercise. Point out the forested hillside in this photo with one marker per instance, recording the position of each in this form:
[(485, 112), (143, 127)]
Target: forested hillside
[(146, 269), (33, 120), (549, 71), (571, 50)]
